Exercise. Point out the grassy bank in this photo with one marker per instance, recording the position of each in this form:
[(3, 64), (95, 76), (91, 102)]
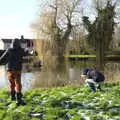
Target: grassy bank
[(92, 57), (64, 103)]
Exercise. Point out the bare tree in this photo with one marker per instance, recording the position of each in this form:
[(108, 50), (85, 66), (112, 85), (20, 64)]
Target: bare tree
[(56, 22), (54, 26)]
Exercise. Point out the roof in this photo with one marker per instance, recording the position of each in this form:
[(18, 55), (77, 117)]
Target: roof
[(21, 40), (7, 40)]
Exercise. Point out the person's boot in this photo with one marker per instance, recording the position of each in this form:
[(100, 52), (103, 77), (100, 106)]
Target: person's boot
[(92, 87), (13, 98), (19, 100), (99, 88)]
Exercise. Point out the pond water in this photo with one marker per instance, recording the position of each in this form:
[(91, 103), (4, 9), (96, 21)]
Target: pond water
[(41, 79)]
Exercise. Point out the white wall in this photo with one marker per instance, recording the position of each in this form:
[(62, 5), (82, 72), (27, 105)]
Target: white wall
[(1, 45), (7, 45)]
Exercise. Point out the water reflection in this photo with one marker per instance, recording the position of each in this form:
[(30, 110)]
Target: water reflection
[(41, 78), (27, 78), (112, 71), (49, 79), (3, 77), (74, 76)]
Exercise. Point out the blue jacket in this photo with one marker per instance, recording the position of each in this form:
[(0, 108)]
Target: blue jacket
[(95, 75)]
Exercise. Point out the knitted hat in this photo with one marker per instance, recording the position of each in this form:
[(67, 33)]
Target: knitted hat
[(85, 71), (15, 43)]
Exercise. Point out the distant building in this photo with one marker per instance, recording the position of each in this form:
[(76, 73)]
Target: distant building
[(25, 43)]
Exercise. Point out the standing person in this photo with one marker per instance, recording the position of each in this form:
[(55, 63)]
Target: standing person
[(93, 79), (14, 66)]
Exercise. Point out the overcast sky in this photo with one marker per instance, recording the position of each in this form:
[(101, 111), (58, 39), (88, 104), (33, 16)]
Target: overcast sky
[(16, 17)]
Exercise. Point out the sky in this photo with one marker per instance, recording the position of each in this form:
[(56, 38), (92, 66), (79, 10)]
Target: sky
[(16, 17)]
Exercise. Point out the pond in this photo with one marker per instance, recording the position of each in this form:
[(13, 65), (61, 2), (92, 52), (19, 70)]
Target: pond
[(36, 78)]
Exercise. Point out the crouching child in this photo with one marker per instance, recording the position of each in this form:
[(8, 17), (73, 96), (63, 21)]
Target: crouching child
[(93, 79)]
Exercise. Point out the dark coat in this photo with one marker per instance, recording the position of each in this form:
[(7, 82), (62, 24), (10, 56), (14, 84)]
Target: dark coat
[(14, 56), (95, 75)]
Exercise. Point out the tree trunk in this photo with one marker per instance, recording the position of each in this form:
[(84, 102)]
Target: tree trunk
[(100, 55)]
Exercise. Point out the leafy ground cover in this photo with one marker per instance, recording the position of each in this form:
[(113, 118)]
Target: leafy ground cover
[(64, 103)]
